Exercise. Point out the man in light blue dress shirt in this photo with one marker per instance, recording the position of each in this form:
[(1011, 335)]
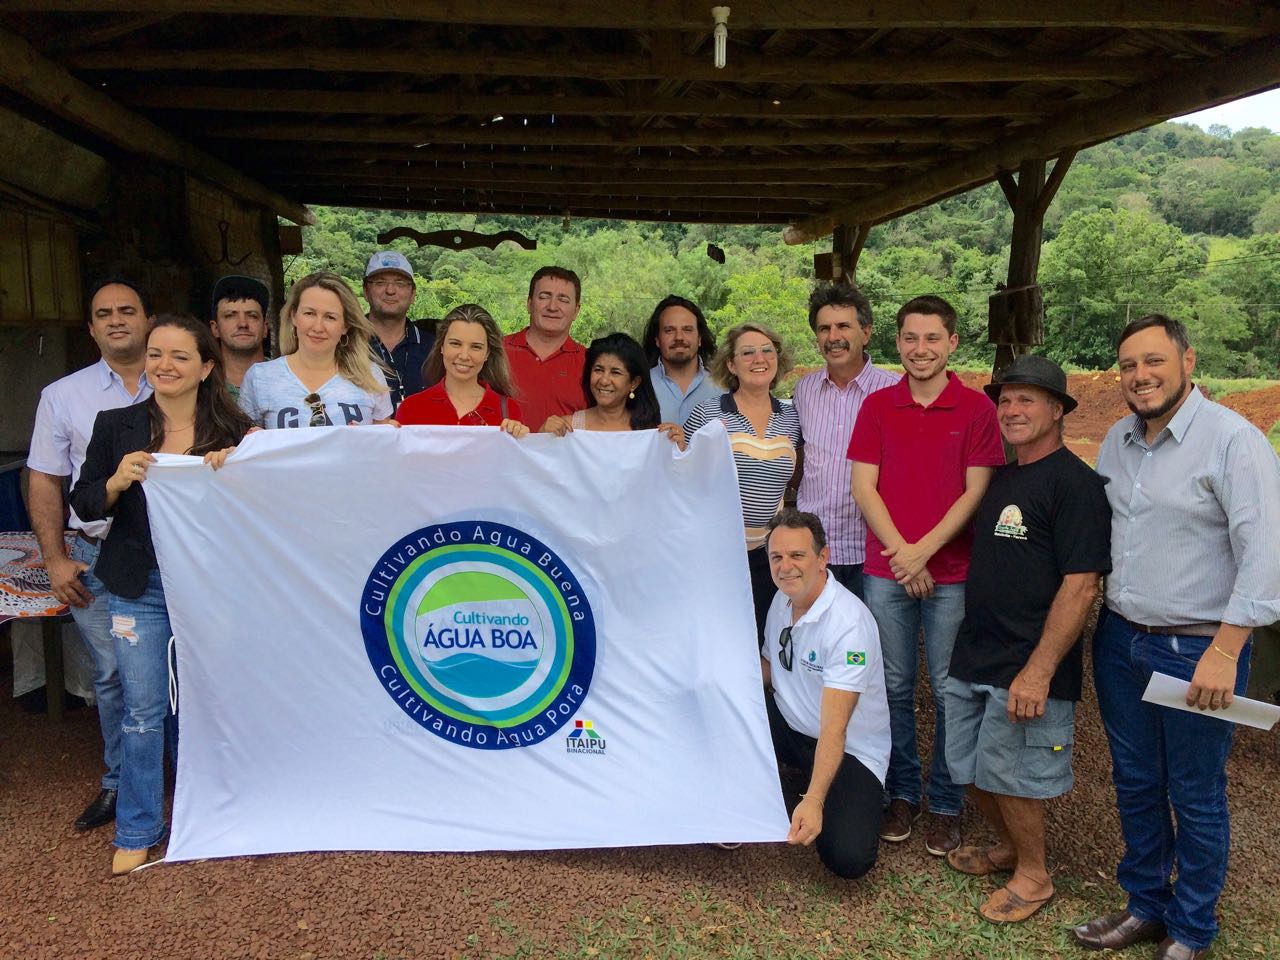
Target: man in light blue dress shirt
[(1194, 490), (119, 319), (679, 343)]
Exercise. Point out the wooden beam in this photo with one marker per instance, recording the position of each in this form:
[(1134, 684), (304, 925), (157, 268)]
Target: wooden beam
[(481, 174), (1051, 185), (542, 133), (46, 84), (299, 181), (623, 207), (1186, 15), (1249, 69), (742, 68), (580, 213), (849, 157), (260, 100)]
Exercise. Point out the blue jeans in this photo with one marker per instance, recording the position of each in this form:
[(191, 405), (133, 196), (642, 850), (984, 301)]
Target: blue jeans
[(1161, 759), (900, 617), (141, 631), (94, 624)]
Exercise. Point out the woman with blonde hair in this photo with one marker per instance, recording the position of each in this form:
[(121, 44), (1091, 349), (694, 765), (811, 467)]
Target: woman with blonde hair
[(765, 436), (467, 377), (326, 374)]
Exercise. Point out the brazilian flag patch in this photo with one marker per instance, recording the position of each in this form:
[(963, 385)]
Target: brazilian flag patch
[(855, 658)]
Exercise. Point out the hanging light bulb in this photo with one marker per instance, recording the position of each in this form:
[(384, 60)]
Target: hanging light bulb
[(721, 33)]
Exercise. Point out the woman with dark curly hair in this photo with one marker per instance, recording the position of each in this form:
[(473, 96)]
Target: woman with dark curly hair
[(615, 380)]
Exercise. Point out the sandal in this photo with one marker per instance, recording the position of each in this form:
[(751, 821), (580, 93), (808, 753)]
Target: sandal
[(1005, 906)]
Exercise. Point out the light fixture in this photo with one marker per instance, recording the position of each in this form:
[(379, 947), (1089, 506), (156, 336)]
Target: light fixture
[(498, 118), (721, 17)]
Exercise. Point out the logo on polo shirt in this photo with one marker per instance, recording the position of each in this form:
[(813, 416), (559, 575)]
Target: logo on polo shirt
[(855, 658), (1010, 524), (480, 633)]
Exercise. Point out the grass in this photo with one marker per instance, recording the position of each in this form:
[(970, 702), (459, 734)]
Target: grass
[(916, 916), (1219, 388), (1274, 435)]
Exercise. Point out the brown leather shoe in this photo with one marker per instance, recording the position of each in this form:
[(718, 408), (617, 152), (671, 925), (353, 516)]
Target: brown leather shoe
[(898, 818), (1116, 931), (943, 834), (1171, 949)]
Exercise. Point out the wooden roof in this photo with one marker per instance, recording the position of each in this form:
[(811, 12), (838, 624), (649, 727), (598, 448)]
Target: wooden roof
[(826, 112)]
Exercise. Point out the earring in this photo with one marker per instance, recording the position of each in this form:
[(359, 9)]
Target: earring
[(632, 395)]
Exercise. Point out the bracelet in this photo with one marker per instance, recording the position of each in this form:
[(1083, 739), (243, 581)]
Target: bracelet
[(822, 801), (1234, 659)]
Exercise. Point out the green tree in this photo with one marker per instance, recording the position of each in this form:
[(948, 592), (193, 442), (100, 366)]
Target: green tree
[(1101, 267)]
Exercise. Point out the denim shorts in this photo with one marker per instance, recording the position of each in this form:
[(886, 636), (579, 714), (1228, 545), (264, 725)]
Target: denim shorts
[(1030, 759)]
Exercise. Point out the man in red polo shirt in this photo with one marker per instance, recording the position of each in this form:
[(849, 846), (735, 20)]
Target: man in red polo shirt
[(923, 452), (546, 363)]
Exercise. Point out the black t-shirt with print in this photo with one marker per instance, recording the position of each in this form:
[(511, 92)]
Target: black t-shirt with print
[(1035, 524)]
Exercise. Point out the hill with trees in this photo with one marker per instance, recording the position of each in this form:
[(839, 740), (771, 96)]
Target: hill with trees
[(1169, 219)]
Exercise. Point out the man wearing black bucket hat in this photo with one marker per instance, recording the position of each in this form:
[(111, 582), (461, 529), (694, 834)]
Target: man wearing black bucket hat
[(1042, 536)]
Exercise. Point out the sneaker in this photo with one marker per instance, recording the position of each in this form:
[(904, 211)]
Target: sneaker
[(898, 818), (943, 834)]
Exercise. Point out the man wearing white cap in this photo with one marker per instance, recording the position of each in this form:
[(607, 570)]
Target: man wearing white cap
[(400, 345)]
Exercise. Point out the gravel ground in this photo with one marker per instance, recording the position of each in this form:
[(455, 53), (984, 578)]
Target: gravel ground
[(58, 900)]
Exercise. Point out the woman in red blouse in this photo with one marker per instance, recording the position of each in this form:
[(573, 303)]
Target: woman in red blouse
[(468, 381)]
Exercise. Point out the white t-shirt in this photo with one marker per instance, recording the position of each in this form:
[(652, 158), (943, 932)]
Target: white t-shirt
[(835, 644), (272, 396)]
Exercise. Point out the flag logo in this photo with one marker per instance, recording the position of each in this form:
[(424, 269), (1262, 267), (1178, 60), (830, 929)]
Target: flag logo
[(855, 658), (480, 633)]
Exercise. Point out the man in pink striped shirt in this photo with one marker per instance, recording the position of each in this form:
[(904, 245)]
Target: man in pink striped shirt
[(828, 402)]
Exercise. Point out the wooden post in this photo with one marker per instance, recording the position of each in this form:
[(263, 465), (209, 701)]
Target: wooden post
[(841, 264), (1015, 320)]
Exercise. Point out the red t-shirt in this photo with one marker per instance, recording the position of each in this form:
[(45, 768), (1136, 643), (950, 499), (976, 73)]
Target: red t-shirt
[(546, 386), (432, 407), (923, 453)]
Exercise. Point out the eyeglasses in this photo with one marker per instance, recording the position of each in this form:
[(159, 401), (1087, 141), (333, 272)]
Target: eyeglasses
[(398, 284), (748, 352), (786, 652), (318, 416)]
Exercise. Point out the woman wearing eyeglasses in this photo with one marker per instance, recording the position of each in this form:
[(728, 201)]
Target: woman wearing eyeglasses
[(468, 381), (764, 433), (615, 380), (326, 375), (189, 413)]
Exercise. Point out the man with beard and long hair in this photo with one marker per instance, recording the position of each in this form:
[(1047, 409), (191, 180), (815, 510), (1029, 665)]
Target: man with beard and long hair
[(1194, 490), (678, 345), (828, 401), (923, 452)]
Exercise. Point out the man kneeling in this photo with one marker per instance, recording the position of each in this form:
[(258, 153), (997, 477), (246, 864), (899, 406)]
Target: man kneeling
[(826, 699)]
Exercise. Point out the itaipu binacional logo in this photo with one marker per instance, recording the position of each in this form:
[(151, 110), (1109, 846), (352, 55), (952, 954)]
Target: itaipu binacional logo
[(480, 633)]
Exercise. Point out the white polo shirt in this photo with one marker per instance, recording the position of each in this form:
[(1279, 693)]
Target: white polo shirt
[(835, 644), (64, 424)]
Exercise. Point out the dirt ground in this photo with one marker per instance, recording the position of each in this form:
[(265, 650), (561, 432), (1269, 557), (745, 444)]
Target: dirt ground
[(58, 900)]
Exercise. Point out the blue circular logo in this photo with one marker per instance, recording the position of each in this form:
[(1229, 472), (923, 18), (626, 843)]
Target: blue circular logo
[(480, 633)]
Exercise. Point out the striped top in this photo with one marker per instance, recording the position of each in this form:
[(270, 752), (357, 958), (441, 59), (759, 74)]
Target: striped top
[(765, 464), (827, 415)]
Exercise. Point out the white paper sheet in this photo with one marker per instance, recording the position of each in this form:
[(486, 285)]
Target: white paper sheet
[(1169, 691)]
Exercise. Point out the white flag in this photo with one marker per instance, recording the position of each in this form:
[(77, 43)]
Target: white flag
[(448, 639)]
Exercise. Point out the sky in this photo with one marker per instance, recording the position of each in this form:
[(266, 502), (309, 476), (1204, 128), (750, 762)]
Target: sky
[(1260, 110)]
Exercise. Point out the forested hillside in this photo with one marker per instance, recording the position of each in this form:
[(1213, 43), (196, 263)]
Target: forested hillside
[(1168, 219)]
